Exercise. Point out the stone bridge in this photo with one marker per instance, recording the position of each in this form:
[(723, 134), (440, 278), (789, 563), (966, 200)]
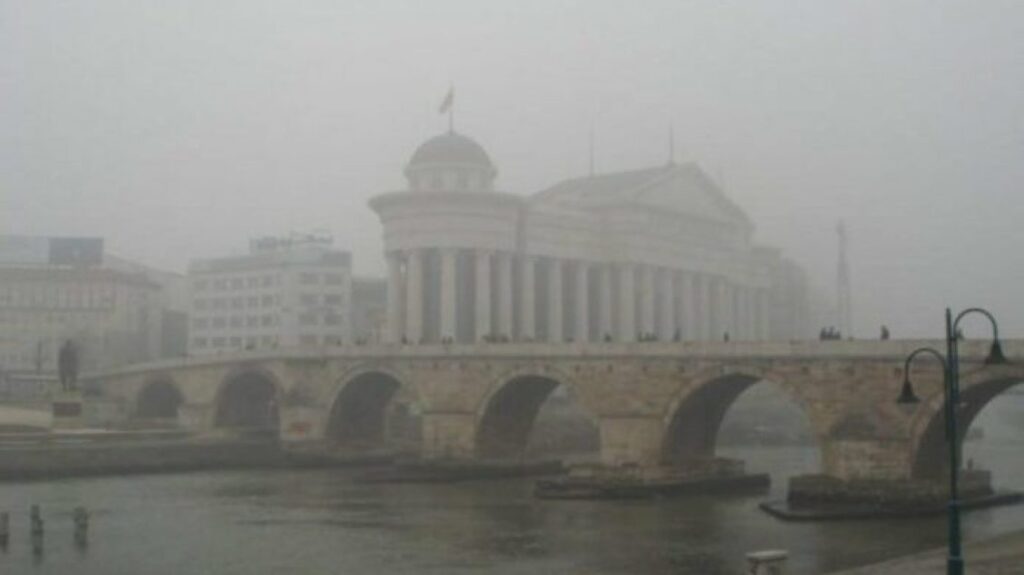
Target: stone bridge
[(653, 403)]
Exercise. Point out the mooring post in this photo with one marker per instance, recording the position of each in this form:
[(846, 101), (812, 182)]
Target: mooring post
[(80, 517), (37, 530), (767, 562), (5, 529)]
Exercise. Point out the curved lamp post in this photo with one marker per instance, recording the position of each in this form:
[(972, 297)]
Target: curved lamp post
[(951, 387)]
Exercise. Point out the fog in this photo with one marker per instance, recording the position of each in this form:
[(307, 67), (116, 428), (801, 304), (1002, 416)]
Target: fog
[(180, 130)]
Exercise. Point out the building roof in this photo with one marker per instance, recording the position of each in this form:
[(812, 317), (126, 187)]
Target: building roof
[(450, 148), (679, 188)]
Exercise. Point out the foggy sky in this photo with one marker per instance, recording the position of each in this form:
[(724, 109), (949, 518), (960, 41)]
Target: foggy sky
[(181, 129)]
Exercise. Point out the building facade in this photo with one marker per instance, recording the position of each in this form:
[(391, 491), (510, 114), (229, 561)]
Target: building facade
[(57, 289), (658, 253), (369, 309), (285, 292)]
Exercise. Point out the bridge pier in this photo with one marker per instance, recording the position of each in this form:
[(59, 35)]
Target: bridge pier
[(195, 417), (449, 436), (303, 423), (632, 440)]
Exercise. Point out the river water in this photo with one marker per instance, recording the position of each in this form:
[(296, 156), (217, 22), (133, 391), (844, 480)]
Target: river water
[(273, 522)]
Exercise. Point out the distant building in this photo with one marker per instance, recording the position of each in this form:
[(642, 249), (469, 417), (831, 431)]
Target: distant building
[(58, 289), (369, 309), (655, 253), (285, 292)]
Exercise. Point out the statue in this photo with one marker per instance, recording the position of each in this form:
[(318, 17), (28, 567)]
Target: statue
[(67, 363)]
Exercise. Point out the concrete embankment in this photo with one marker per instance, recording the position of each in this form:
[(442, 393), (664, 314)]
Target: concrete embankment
[(1002, 555), (43, 457)]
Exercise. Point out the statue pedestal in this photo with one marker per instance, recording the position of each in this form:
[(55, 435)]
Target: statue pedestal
[(67, 410)]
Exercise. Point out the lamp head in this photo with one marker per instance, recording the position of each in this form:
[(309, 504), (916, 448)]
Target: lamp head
[(907, 395), (995, 355)]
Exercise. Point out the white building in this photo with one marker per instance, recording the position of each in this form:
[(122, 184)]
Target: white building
[(286, 292), (58, 289), (658, 253)]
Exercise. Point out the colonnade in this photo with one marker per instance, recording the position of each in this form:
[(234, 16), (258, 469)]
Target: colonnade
[(461, 295)]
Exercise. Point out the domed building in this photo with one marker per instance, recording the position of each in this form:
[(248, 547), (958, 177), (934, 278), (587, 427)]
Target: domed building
[(657, 253)]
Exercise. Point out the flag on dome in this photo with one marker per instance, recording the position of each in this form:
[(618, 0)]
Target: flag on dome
[(448, 100)]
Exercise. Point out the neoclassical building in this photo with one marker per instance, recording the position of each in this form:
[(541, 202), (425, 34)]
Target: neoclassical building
[(652, 253)]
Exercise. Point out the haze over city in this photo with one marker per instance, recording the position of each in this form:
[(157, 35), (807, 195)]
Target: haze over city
[(182, 130)]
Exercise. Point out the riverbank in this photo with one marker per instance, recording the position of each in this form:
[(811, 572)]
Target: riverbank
[(1002, 555), (40, 457)]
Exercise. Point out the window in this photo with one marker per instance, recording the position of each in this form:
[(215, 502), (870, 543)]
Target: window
[(250, 343), (267, 320), (309, 279), (332, 299), (200, 323), (334, 279), (252, 321), (220, 284), (199, 342), (201, 304), (236, 283), (252, 282), (253, 301), (218, 342), (309, 299), (307, 340), (219, 323), (201, 285), (267, 340), (236, 321), (236, 342), (219, 303), (307, 319), (267, 300), (265, 281), (332, 319), (237, 302)]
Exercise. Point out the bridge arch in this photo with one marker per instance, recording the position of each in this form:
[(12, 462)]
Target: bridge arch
[(159, 399), (506, 415), (694, 417), (930, 455), (248, 398), (359, 409)]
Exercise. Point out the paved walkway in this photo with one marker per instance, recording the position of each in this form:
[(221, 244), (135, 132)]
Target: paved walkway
[(1002, 555)]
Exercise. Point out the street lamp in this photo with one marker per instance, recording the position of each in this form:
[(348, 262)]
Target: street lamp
[(951, 387)]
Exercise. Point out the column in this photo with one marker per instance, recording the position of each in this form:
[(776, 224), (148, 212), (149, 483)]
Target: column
[(723, 297), (414, 297), (582, 303), (604, 288), (763, 324), (707, 310), (527, 291), (394, 321), (647, 300), (448, 295), (483, 294), (555, 334), (666, 291), (627, 295), (687, 307), (504, 295), (750, 317)]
